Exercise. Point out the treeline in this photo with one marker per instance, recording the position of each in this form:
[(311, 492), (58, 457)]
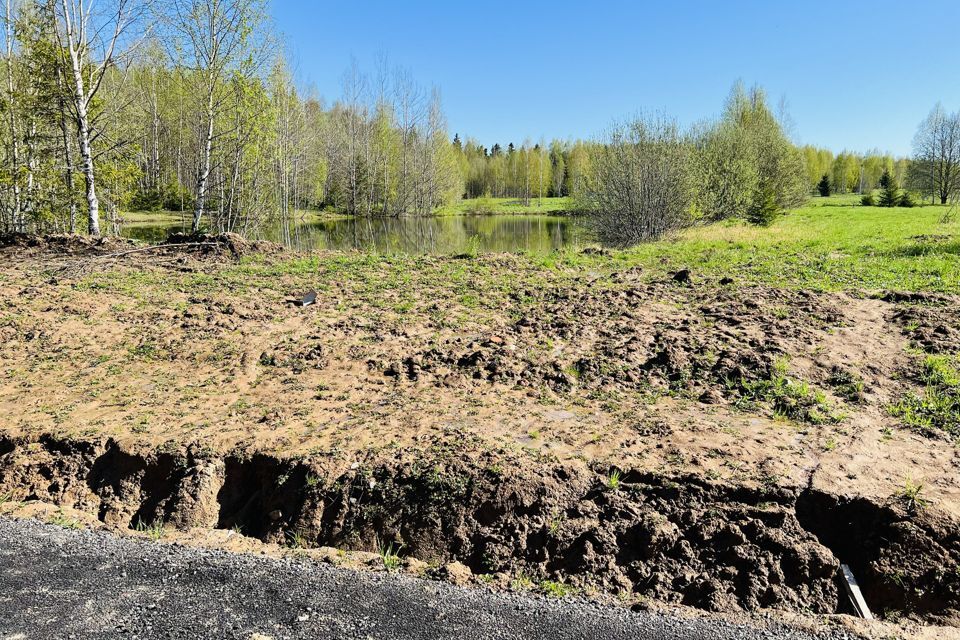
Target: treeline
[(849, 172), (190, 105)]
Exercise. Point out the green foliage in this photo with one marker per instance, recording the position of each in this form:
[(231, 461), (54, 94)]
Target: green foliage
[(906, 200), (789, 398), (556, 589), (823, 187), (936, 411), (613, 479), (390, 554), (911, 495), (154, 530), (745, 160), (890, 194), (764, 209), (868, 200)]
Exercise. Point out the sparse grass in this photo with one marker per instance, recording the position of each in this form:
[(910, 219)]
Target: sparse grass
[(154, 530), (390, 554), (791, 399), (911, 496), (521, 582), (847, 385), (61, 519), (296, 540), (613, 479), (556, 589), (935, 412)]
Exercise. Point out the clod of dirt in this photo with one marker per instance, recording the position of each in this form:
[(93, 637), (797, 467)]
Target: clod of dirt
[(683, 277)]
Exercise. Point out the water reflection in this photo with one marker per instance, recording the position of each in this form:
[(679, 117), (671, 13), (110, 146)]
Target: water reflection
[(445, 235)]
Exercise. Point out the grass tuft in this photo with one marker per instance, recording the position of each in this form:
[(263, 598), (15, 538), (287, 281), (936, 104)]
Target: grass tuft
[(935, 412)]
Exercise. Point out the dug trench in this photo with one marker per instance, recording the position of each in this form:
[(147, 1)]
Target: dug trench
[(681, 539)]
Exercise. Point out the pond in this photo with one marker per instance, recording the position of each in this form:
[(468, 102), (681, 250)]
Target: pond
[(417, 235)]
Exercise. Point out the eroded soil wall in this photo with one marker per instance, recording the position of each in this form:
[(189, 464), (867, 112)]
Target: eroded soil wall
[(681, 539)]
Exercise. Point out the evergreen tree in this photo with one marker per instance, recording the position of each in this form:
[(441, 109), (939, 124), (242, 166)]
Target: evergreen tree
[(891, 192), (824, 186)]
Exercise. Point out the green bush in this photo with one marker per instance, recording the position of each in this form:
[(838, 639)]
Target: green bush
[(868, 200), (906, 200), (764, 209)]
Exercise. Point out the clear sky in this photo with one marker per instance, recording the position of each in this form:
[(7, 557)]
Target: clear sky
[(855, 74)]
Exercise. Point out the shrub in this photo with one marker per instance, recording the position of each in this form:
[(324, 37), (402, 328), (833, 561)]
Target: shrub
[(743, 156), (906, 200), (868, 200), (643, 187), (764, 209)]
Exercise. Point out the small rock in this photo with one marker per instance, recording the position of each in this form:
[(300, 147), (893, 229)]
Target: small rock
[(456, 573)]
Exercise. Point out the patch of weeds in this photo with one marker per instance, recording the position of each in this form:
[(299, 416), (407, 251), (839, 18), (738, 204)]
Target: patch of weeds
[(613, 479), (296, 540), (847, 385), (556, 589), (60, 519), (5, 498), (556, 521), (153, 530), (521, 583), (830, 444), (790, 399), (937, 411), (911, 496), (390, 554)]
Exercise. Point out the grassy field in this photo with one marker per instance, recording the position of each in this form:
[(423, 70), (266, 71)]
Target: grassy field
[(831, 244)]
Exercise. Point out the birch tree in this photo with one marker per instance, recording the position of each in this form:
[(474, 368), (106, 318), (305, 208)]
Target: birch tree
[(91, 36), (214, 40)]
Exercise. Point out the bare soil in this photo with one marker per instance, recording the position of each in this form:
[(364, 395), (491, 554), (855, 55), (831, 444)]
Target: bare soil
[(607, 430)]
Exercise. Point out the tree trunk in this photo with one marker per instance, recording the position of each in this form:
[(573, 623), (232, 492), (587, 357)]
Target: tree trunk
[(83, 136), (11, 113), (205, 168)]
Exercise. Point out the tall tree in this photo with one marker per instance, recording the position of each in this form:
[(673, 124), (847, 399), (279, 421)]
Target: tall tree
[(936, 149), (91, 35), (215, 40)]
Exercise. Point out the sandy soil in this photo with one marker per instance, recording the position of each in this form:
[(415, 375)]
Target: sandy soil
[(616, 374)]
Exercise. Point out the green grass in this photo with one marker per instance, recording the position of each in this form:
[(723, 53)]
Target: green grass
[(789, 398), (507, 206), (937, 410), (831, 244), (390, 554), (912, 496), (155, 530)]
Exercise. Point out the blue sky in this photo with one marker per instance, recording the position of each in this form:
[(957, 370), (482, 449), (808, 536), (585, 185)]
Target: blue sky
[(855, 75)]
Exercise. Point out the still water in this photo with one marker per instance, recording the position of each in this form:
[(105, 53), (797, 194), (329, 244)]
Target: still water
[(438, 235)]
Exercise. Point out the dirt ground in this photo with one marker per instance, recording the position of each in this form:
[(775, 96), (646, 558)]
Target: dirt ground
[(601, 429)]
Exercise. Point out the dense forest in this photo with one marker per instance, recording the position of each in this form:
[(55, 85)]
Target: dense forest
[(191, 105)]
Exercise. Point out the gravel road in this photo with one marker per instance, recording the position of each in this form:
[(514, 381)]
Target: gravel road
[(60, 583)]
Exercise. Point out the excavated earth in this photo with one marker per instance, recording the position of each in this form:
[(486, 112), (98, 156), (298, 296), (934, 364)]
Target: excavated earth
[(602, 430)]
